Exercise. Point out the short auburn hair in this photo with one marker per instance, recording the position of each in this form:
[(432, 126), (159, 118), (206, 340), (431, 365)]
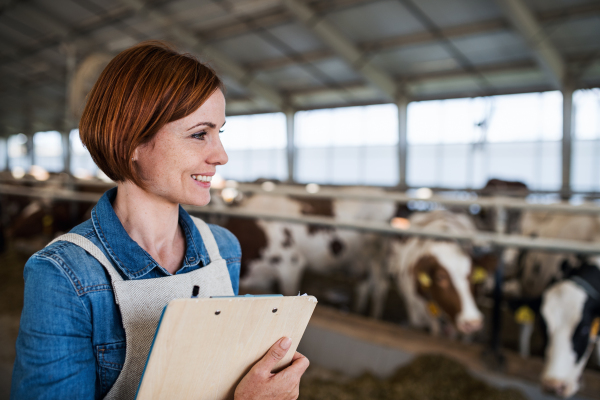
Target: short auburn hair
[(140, 90)]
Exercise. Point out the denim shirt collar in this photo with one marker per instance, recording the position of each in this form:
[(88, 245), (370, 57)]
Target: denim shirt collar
[(133, 261)]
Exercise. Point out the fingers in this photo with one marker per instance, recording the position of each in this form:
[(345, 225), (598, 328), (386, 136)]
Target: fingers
[(297, 356), (299, 364), (274, 355)]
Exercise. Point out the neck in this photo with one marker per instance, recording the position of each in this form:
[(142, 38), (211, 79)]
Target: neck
[(152, 222)]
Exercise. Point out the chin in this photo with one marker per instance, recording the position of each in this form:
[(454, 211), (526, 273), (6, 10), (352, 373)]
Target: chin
[(199, 201)]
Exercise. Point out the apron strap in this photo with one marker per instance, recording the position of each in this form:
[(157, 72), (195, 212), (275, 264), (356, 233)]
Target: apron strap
[(94, 251), (208, 238)]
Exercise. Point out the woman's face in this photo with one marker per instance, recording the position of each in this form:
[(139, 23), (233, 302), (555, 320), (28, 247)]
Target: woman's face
[(179, 161)]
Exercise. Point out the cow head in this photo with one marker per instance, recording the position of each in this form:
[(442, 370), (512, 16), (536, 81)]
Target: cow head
[(571, 317), (443, 278)]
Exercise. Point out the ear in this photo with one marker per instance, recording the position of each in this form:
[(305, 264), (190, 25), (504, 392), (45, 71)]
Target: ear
[(134, 155)]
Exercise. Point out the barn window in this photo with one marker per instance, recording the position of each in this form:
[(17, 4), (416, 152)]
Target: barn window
[(586, 140), (47, 149), (350, 145), (256, 146), (464, 142), (82, 165)]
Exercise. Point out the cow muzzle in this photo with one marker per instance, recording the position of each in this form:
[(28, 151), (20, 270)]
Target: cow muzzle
[(558, 387), (469, 326)]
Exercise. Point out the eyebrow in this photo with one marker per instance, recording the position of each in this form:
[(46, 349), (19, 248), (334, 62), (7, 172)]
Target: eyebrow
[(209, 124)]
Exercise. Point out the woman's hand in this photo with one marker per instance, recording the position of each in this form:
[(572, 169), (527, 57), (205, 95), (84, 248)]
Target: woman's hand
[(260, 383)]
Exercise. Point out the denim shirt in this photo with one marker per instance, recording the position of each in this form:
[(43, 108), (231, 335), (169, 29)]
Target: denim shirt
[(71, 341)]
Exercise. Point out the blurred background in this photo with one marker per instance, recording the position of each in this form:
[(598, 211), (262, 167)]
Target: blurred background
[(385, 127)]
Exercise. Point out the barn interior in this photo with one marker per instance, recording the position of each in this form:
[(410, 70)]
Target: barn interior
[(375, 129)]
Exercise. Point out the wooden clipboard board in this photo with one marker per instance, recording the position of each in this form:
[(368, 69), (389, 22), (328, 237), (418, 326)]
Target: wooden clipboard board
[(203, 347)]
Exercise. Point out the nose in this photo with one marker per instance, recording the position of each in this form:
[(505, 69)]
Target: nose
[(470, 326), (555, 386), (218, 156)]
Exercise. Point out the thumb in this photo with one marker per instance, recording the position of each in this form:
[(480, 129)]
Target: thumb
[(274, 355)]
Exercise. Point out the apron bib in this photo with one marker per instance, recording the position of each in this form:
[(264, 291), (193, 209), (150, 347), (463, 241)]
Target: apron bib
[(142, 301)]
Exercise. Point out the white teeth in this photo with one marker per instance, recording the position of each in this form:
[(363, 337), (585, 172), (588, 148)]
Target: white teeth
[(202, 178)]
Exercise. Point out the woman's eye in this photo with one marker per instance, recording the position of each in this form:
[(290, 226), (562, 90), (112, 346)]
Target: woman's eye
[(199, 135), (221, 130)]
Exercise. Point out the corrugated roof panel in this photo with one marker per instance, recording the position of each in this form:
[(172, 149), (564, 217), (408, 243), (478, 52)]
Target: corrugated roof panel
[(457, 12), (68, 11), (323, 99), (194, 13), (145, 27), (575, 36), (338, 70), (375, 20), (289, 78), (496, 47), (546, 5), (298, 37), (18, 36), (26, 17), (415, 59), (247, 48)]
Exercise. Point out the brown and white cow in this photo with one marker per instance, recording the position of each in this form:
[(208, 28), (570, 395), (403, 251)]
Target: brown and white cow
[(434, 276), (571, 310)]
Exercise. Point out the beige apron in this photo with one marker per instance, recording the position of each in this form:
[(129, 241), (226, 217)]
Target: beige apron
[(142, 301)]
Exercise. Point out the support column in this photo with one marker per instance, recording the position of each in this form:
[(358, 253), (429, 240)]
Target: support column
[(30, 148), (567, 93), (402, 104), (291, 145), (68, 122), (6, 154)]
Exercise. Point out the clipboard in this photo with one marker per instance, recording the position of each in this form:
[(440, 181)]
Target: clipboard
[(203, 347)]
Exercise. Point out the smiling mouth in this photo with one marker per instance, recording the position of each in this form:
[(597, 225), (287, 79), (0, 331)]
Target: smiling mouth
[(202, 178)]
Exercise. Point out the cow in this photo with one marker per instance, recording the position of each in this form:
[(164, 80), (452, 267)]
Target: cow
[(275, 251), (571, 310), (538, 269), (434, 276)]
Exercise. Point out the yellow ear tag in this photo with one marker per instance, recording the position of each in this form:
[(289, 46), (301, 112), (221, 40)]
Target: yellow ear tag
[(47, 220), (524, 315), (433, 309), (424, 279), (479, 275), (595, 328)]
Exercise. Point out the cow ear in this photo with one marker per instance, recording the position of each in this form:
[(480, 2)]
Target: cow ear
[(566, 268), (487, 262)]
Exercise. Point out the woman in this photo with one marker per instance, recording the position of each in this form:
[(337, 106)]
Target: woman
[(93, 297)]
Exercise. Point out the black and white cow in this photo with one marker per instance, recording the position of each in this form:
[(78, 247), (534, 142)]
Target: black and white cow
[(571, 310)]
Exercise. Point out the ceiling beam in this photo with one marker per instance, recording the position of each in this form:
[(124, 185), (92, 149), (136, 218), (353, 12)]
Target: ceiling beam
[(423, 37), (343, 47), (221, 29), (530, 29), (221, 61)]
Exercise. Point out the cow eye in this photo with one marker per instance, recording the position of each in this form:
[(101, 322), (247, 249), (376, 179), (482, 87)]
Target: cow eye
[(442, 280), (275, 260)]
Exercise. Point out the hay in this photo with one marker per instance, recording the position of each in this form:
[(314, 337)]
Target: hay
[(428, 377)]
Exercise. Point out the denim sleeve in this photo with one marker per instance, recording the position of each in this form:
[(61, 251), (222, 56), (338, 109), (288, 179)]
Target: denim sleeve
[(55, 358)]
